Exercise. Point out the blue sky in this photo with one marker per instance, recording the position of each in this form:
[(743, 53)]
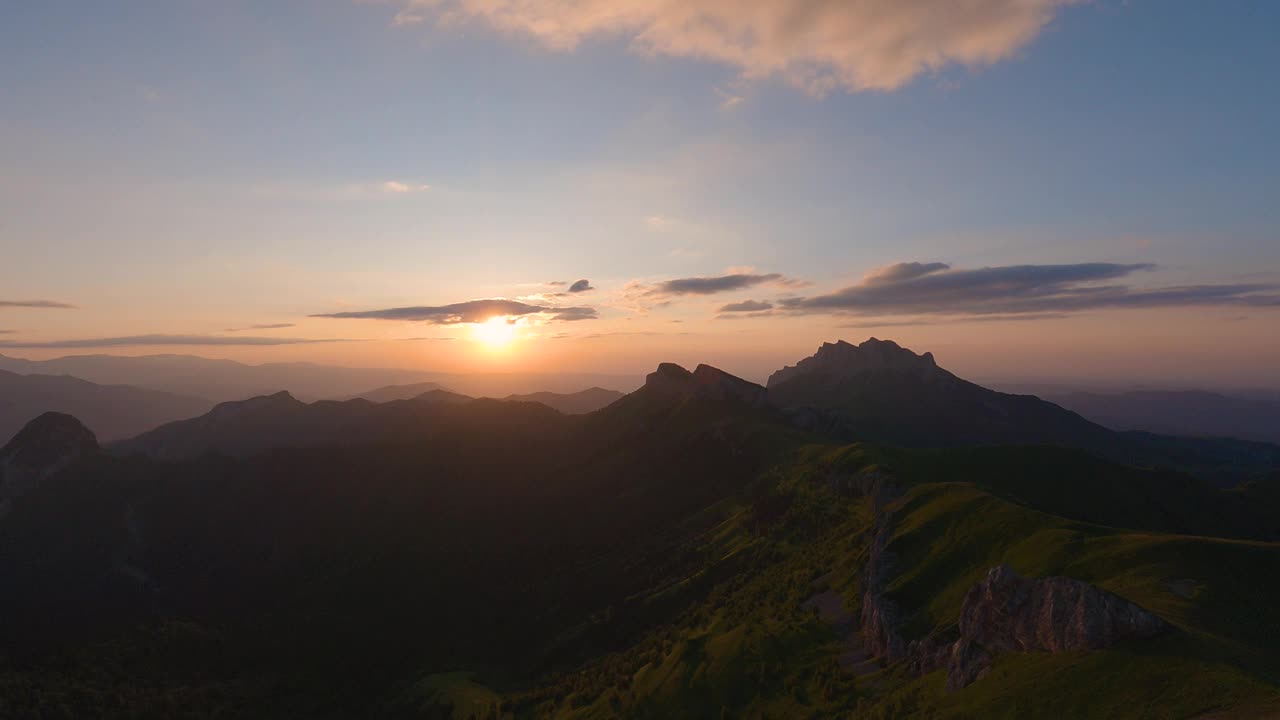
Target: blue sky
[(185, 167)]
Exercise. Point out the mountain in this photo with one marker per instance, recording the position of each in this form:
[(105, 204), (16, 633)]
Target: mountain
[(110, 411), (46, 445), (882, 392), (280, 420), (578, 403), (1188, 413), (397, 392), (225, 380), (686, 551), (218, 380)]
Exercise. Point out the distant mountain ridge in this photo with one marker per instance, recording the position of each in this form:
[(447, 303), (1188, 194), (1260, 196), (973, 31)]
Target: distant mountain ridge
[(280, 420), (111, 411), (578, 403), (1183, 412)]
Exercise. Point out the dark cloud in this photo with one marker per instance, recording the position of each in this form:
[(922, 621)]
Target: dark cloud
[(36, 304), (472, 311), (714, 284), (272, 326), (952, 321), (903, 271), (935, 289), (581, 286), (146, 340), (570, 314), (746, 306)]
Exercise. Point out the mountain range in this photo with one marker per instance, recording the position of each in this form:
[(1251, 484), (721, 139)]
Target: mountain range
[(112, 411), (1186, 412), (702, 547), (224, 380)]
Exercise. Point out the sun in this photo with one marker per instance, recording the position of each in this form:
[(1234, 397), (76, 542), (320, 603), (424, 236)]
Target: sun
[(496, 333)]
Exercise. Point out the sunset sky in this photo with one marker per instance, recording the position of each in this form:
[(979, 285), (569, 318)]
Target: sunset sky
[(1031, 189)]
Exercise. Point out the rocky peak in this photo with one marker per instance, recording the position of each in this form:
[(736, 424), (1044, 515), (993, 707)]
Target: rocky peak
[(44, 446), (674, 381), (843, 359)]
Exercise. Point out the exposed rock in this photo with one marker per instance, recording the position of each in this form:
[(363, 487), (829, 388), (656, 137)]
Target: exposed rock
[(842, 358), (880, 615), (1009, 613), (967, 663), (45, 446)]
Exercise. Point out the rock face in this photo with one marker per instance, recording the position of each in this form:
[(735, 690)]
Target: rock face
[(704, 382), (1009, 613), (45, 446), (842, 358), (1003, 613)]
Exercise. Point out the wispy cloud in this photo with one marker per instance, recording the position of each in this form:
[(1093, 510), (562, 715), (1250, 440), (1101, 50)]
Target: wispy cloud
[(727, 99), (710, 285), (36, 304), (271, 326), (938, 289), (818, 45), (471, 311), (155, 340), (952, 321), (746, 306), (393, 186)]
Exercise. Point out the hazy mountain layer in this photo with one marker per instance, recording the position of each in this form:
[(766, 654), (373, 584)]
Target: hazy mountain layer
[(112, 412)]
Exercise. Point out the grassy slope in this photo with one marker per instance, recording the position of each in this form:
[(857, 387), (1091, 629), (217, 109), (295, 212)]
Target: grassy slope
[(751, 649)]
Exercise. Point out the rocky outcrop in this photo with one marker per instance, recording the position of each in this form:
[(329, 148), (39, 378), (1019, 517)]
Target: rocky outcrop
[(1009, 613), (705, 382), (842, 359), (880, 616), (44, 447), (1006, 613), (1003, 613)]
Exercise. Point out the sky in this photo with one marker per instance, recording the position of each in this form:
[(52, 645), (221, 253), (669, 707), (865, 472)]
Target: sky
[(1030, 189)]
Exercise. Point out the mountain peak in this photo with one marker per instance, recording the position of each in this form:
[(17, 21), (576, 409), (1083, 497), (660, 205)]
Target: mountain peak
[(274, 401), (845, 358), (45, 446), (48, 437), (705, 381)]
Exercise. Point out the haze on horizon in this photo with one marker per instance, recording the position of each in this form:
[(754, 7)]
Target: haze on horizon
[(1081, 191)]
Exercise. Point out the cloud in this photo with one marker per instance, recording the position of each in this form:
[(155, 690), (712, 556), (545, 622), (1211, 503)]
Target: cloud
[(937, 289), (392, 186), (658, 222), (817, 45), (36, 304), (471, 311), (7, 332), (581, 286), (714, 284), (271, 326), (728, 100), (902, 271), (746, 306), (951, 321), (148, 340)]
